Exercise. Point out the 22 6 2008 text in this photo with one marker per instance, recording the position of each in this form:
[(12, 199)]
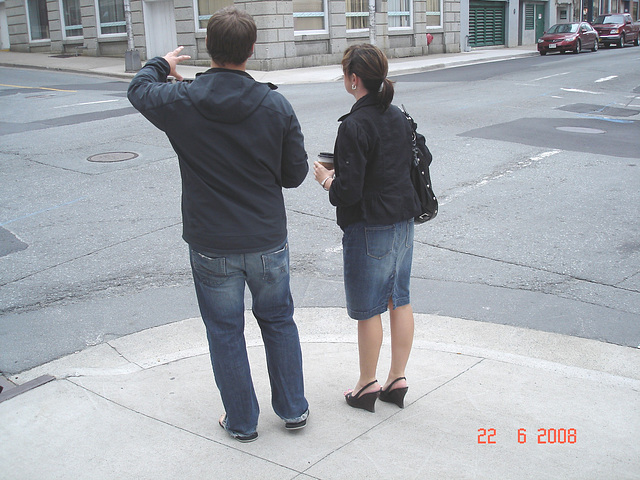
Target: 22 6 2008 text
[(544, 436)]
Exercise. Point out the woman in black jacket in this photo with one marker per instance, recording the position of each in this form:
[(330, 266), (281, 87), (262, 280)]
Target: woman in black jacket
[(376, 204)]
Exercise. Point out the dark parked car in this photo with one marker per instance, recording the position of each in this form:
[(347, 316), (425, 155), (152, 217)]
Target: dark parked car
[(617, 29), (568, 37)]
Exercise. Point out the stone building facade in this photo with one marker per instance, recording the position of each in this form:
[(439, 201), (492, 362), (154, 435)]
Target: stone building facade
[(291, 33)]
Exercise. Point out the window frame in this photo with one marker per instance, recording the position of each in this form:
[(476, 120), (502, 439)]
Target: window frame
[(408, 14), (440, 14), (29, 30), (100, 25), (66, 27), (197, 16), (324, 15), (355, 15)]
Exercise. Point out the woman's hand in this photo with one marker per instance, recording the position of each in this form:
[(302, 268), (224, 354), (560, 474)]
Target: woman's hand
[(174, 58), (321, 174)]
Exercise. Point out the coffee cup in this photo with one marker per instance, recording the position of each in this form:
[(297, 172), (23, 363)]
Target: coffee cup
[(326, 160)]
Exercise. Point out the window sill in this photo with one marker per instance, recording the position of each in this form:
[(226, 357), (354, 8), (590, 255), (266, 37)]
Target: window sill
[(311, 35), (112, 37), (401, 31)]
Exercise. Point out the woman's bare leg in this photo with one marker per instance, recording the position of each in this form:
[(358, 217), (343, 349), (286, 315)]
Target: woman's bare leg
[(402, 326), (369, 343)]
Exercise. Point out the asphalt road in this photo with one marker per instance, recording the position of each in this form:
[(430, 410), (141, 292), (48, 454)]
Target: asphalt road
[(535, 166)]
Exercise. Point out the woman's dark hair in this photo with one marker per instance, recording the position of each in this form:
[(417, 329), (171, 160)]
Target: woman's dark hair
[(370, 64), (231, 34)]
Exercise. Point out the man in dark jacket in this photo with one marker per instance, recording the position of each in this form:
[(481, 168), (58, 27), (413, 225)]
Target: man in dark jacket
[(238, 144)]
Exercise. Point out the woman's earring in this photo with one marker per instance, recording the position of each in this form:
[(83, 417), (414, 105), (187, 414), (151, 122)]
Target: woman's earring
[(353, 86)]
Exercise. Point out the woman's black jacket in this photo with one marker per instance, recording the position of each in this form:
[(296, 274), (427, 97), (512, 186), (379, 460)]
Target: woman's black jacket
[(373, 155)]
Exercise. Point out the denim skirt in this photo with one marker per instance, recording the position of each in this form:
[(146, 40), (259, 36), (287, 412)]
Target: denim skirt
[(377, 267)]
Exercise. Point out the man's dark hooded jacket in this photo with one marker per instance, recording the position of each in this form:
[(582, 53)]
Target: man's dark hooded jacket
[(238, 144)]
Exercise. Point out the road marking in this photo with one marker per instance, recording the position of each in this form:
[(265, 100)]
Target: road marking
[(551, 76), (575, 90), (87, 103), (496, 176), (606, 79), (38, 88), (42, 211)]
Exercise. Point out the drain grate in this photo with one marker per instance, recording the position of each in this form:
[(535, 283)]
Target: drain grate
[(111, 157), (9, 390)]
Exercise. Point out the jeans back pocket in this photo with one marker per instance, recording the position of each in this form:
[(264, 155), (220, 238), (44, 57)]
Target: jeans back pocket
[(379, 240)]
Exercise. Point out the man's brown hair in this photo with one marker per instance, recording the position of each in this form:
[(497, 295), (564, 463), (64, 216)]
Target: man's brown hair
[(231, 34)]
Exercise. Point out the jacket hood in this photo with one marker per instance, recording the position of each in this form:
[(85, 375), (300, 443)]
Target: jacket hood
[(227, 96)]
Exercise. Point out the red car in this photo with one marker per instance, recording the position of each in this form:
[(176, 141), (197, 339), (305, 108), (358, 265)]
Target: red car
[(568, 37), (617, 29)]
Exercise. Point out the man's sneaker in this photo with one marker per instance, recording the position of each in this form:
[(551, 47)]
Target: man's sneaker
[(299, 424), (239, 437)]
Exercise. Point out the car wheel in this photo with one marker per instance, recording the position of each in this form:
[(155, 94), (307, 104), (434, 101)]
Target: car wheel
[(578, 48), (595, 46), (543, 52), (637, 42), (622, 41)]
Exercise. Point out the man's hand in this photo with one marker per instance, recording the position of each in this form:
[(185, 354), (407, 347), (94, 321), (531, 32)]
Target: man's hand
[(174, 58)]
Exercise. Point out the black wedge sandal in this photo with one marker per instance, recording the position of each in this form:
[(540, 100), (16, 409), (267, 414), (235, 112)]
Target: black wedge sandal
[(366, 401), (395, 395)]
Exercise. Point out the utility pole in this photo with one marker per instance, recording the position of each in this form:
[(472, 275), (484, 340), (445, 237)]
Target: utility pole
[(131, 56), (372, 22)]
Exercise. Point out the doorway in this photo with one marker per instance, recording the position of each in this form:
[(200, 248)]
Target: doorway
[(159, 27), (540, 20)]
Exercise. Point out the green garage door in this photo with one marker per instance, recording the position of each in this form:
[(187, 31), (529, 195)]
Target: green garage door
[(486, 23)]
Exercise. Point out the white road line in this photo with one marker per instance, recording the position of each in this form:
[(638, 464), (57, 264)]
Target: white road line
[(498, 175), (606, 79), (551, 76), (575, 90), (87, 103)]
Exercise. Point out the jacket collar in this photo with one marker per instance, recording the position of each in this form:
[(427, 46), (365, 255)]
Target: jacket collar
[(367, 101), (236, 72)]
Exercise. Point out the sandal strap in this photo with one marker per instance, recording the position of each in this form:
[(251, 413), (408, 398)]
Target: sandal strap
[(392, 383), (364, 388)]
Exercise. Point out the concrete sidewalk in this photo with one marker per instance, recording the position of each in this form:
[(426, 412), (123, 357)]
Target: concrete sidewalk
[(485, 401), (114, 67)]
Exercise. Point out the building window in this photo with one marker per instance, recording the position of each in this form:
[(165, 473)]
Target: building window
[(399, 13), (111, 15), (38, 19), (357, 14), (434, 13), (206, 8), (309, 16), (71, 18)]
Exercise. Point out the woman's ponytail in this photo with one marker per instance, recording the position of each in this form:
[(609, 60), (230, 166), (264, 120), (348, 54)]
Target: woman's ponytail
[(385, 94)]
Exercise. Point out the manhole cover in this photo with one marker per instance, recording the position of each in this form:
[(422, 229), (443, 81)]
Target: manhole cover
[(580, 130), (111, 157)]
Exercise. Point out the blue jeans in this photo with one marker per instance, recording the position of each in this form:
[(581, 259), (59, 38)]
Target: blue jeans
[(220, 282)]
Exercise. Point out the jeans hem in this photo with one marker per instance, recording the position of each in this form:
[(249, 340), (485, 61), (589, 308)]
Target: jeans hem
[(302, 417)]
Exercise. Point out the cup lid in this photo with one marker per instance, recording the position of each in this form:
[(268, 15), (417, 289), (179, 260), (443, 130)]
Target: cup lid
[(325, 155)]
